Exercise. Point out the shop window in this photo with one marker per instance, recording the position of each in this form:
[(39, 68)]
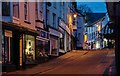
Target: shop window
[(30, 49), (42, 48), (54, 46)]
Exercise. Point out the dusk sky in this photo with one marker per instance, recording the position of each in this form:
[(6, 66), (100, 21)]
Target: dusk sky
[(96, 7)]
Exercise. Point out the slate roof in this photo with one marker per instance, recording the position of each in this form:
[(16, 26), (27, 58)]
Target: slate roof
[(95, 17)]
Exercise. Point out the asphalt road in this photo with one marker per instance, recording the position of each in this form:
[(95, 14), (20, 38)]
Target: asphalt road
[(75, 62), (92, 62)]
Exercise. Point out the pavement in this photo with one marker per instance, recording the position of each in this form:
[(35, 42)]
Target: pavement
[(111, 70), (75, 62)]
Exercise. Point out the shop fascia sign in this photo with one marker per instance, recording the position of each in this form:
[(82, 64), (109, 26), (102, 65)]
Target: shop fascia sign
[(64, 26), (43, 33), (54, 32)]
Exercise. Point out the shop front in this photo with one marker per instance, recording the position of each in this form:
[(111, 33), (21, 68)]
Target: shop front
[(54, 47), (26, 50), (18, 47), (54, 42), (7, 51), (64, 36), (29, 51), (62, 41), (42, 46)]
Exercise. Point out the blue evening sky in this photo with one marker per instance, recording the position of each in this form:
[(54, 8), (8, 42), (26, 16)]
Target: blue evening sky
[(96, 7)]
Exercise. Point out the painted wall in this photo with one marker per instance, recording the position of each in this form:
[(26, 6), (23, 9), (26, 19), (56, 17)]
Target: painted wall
[(80, 32)]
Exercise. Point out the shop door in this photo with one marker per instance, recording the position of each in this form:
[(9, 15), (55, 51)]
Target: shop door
[(7, 49)]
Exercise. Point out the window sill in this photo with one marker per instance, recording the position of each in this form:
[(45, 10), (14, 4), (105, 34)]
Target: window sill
[(39, 21), (15, 18), (27, 22)]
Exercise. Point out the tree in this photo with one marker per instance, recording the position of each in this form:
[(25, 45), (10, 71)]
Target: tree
[(86, 11)]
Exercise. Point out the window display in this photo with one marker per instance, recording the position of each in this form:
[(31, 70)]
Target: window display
[(42, 48), (30, 49)]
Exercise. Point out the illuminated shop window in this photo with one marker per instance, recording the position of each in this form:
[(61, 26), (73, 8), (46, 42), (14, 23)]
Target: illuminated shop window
[(30, 49)]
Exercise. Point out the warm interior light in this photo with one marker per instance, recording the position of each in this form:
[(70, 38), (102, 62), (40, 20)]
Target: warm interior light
[(85, 38), (99, 28), (75, 15), (70, 20)]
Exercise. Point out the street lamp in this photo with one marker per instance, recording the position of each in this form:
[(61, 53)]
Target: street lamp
[(75, 15)]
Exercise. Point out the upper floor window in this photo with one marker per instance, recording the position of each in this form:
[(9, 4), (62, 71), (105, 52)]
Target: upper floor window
[(63, 3), (6, 8), (54, 4), (48, 18), (36, 10), (39, 11), (16, 9), (54, 20), (26, 11)]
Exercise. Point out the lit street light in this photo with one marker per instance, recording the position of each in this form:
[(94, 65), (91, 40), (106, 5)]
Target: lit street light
[(75, 15)]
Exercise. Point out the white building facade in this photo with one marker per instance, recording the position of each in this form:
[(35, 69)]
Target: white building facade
[(94, 33), (58, 18), (80, 31)]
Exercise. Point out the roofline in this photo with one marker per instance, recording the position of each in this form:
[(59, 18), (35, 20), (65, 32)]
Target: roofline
[(96, 21)]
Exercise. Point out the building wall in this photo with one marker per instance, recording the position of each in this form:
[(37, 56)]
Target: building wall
[(52, 23), (62, 10), (15, 53), (31, 16), (80, 32)]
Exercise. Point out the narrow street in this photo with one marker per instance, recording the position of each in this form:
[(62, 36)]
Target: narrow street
[(75, 62)]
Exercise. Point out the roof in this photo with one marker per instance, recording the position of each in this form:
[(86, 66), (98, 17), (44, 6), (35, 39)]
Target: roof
[(95, 17)]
